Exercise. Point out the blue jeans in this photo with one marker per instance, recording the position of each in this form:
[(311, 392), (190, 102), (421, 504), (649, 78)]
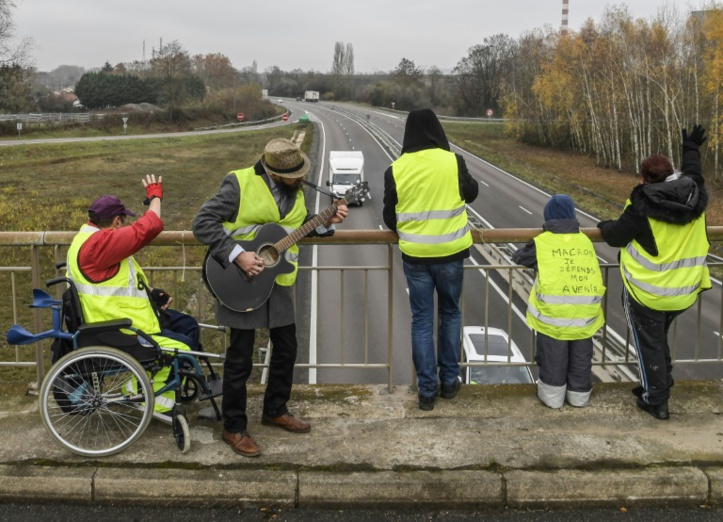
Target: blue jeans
[(423, 280)]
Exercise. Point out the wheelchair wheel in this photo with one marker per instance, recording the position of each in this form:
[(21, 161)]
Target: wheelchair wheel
[(189, 388), (181, 432), (96, 401)]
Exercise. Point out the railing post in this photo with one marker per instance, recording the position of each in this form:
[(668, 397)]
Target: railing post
[(390, 316), (37, 318)]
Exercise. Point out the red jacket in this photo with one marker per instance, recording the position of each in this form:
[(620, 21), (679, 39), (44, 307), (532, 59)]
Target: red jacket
[(101, 254)]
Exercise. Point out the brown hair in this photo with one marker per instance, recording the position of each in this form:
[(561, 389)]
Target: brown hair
[(655, 168)]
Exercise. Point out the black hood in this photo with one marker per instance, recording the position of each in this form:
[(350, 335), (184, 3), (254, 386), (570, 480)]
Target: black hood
[(561, 226), (423, 131), (678, 202)]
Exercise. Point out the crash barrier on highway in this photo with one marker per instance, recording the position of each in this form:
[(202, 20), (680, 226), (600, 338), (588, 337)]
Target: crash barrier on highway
[(85, 117), (364, 314), (52, 117)]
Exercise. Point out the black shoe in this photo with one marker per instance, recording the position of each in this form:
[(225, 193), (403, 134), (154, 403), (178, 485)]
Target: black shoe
[(449, 391), (660, 411), (426, 403)]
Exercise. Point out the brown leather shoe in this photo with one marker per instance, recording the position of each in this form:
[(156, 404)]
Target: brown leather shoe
[(288, 422), (241, 443)]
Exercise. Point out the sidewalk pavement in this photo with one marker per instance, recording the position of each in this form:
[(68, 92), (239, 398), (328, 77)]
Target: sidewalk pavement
[(490, 447)]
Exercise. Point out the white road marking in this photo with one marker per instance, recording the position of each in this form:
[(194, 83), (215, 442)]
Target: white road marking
[(523, 208)]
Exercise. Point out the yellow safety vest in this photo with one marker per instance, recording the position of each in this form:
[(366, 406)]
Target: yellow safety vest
[(431, 215), (566, 300), (673, 279), (118, 297), (258, 207), (121, 297)]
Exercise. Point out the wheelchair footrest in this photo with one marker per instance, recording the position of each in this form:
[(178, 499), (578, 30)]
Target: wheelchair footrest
[(215, 386), (209, 414)]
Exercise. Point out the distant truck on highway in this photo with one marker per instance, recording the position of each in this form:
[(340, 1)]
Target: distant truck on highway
[(311, 96), (346, 168)]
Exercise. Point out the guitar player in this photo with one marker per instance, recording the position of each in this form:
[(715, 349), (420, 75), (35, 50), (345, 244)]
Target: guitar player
[(268, 192)]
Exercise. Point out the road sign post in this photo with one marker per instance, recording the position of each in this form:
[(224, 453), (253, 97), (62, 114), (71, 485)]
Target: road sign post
[(285, 117), (125, 125), (489, 113), (20, 127), (240, 116)]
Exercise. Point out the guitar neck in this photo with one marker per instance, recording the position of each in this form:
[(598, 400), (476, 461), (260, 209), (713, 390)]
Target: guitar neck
[(304, 230)]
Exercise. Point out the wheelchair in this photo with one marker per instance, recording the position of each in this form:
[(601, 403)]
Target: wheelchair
[(97, 399)]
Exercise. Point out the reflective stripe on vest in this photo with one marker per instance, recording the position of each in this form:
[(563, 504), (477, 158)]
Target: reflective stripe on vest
[(431, 215), (258, 207), (566, 300), (673, 279), (118, 297)]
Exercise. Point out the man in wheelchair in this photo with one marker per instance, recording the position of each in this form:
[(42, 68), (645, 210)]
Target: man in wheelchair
[(111, 284)]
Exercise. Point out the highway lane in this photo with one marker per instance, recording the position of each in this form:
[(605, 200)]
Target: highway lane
[(347, 329)]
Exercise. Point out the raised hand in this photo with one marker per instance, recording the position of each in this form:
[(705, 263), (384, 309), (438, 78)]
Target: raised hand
[(697, 135), (153, 189)]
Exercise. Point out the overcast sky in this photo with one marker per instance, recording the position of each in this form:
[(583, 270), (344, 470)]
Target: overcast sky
[(292, 34)]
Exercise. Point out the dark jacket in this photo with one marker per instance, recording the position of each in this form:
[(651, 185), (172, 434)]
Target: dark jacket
[(527, 255), (423, 131), (677, 202)]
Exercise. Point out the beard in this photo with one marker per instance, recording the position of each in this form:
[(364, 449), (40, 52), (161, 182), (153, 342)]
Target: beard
[(290, 191)]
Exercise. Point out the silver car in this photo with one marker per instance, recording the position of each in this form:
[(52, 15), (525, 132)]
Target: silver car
[(491, 346)]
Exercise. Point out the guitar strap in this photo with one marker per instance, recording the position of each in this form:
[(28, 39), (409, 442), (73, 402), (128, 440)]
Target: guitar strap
[(318, 189)]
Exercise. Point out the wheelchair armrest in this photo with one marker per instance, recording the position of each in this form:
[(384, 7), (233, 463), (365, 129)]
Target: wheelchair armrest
[(115, 324), (136, 343)]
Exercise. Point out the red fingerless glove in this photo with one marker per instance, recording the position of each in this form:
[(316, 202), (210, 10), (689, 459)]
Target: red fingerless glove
[(153, 190)]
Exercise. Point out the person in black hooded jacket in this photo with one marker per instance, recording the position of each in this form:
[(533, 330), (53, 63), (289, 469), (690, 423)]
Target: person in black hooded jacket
[(425, 191), (663, 241)]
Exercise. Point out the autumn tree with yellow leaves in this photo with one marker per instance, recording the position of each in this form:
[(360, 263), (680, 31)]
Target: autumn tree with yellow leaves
[(622, 88)]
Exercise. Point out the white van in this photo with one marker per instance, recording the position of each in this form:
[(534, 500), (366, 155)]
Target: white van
[(346, 169), (476, 341)]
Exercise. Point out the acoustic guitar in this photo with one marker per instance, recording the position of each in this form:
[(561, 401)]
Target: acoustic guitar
[(240, 292)]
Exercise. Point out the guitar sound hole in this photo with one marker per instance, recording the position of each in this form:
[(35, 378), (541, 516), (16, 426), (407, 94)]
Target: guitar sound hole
[(269, 255)]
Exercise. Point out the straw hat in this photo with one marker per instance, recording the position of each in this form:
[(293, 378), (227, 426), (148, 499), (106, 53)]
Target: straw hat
[(283, 158)]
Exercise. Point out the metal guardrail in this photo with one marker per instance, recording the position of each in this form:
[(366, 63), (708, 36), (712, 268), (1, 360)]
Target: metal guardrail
[(85, 117), (608, 355), (53, 117)]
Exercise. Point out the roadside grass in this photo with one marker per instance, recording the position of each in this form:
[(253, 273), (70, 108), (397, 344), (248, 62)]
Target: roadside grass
[(599, 191)]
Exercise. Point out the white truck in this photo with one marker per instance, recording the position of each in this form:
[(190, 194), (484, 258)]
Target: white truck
[(311, 96), (346, 168)]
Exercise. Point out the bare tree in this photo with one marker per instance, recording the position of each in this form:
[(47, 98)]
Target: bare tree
[(12, 52), (481, 74), (349, 70)]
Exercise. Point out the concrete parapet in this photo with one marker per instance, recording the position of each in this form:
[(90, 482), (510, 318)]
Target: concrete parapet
[(23, 483), (194, 487), (672, 485), (421, 489), (490, 447)]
